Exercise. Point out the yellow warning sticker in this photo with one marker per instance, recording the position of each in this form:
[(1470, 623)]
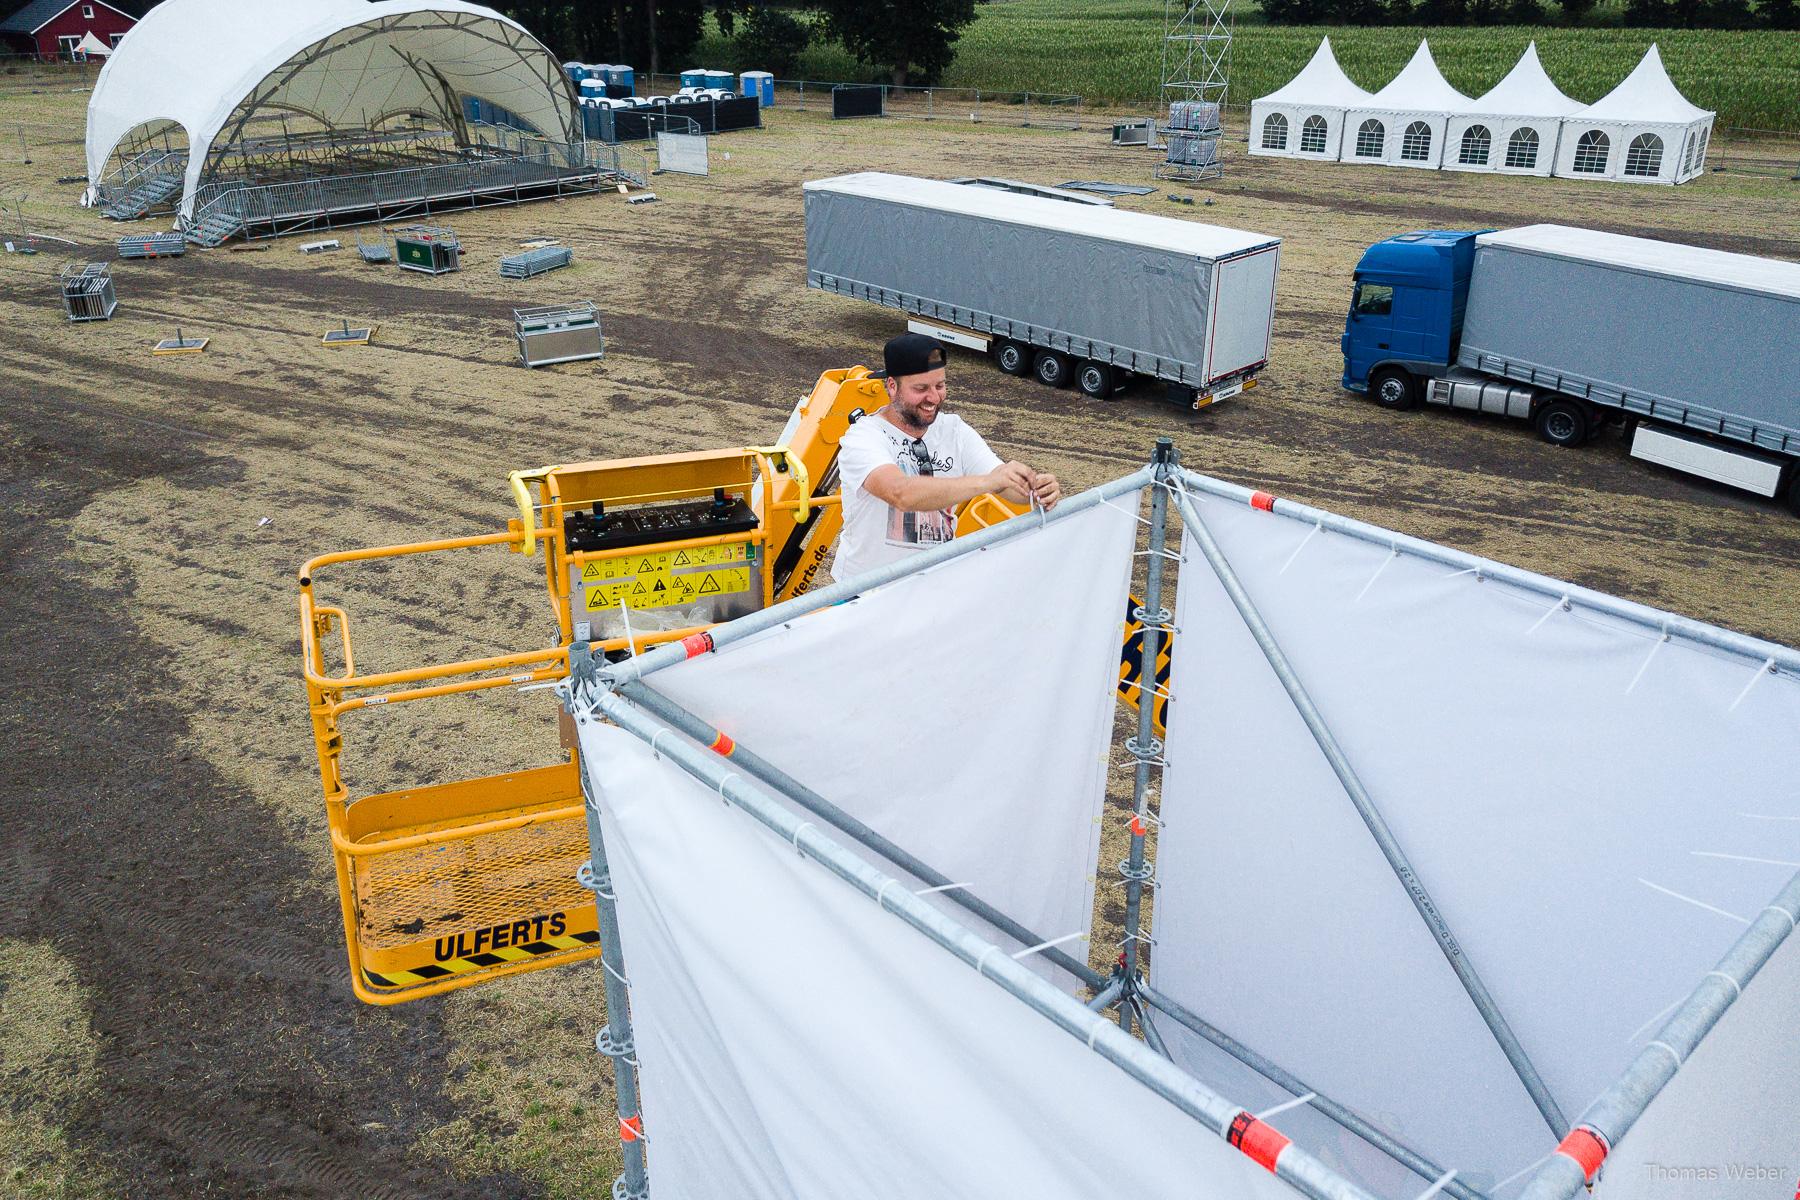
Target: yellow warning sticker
[(663, 588), (664, 561)]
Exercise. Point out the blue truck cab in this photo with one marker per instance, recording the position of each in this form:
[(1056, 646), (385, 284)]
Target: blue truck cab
[(1406, 314)]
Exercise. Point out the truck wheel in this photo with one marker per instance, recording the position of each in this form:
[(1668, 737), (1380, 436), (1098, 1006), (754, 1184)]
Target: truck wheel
[(1563, 423), (1393, 388), (1052, 369), (1012, 357), (1096, 379)]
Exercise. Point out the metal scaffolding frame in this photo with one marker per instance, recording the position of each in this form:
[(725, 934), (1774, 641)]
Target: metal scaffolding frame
[(620, 694), (1196, 69)]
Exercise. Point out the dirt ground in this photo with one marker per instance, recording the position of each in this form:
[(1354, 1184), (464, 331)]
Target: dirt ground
[(170, 936)]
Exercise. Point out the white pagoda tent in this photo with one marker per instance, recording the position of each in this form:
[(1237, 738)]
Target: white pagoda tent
[(1305, 118), (1513, 127), (1643, 131), (1403, 124)]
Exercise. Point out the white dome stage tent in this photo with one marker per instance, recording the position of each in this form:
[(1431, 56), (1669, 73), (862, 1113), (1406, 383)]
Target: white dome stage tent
[(1305, 118), (208, 92), (1643, 131), (1470, 882), (1512, 128), (1403, 124)]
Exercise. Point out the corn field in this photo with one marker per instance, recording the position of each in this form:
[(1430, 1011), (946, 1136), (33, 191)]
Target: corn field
[(1110, 51)]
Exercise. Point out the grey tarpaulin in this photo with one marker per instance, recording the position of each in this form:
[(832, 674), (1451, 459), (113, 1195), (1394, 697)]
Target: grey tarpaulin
[(1124, 287), (1695, 337)]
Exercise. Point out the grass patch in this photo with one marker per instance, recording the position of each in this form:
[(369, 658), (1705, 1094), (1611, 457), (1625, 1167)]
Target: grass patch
[(47, 1058)]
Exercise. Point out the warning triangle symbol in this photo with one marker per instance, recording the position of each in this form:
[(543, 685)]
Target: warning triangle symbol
[(709, 584), (681, 558), (591, 571), (645, 567), (640, 589), (660, 586)]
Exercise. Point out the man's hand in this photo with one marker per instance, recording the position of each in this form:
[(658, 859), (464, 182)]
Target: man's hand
[(1014, 480), (1046, 490)]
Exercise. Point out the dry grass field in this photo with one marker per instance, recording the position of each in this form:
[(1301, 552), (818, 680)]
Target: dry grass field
[(174, 1014)]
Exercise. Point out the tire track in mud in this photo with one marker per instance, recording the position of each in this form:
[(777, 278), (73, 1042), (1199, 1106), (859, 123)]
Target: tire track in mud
[(232, 1058)]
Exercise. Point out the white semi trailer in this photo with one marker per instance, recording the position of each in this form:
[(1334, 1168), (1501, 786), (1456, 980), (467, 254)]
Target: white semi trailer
[(1064, 292)]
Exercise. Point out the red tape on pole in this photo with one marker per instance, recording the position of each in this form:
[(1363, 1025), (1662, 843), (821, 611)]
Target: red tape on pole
[(1587, 1148), (697, 644), (722, 745), (631, 1128), (1261, 1143), (1262, 500)]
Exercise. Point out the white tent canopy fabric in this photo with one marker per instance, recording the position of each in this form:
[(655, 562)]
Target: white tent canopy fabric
[(200, 66), (1595, 808), (1403, 124), (92, 46), (1513, 127), (1643, 131), (917, 747), (1305, 118), (797, 1042)]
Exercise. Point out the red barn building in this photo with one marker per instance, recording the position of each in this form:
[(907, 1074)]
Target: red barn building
[(53, 28)]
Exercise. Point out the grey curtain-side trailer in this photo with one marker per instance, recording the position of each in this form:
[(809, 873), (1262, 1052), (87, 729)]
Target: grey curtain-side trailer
[(1064, 292), (1696, 351)]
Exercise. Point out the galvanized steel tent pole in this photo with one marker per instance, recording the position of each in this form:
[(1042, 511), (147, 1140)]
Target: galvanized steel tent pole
[(669, 654), (1785, 658), (1377, 825), (614, 1039), (1146, 747), (1608, 1119), (1413, 1161), (1293, 1165), (762, 769)]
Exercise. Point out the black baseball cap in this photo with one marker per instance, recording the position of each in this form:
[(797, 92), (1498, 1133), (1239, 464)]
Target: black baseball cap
[(910, 354)]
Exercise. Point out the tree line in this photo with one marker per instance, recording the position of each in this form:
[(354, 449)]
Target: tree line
[(914, 40), (1654, 14)]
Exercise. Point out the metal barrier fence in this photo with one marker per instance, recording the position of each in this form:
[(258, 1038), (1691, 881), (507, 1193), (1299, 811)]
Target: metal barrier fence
[(1039, 110)]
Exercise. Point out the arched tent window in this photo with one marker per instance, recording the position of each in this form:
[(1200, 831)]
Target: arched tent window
[(1591, 150), (1698, 159), (1415, 143), (1643, 158), (1476, 141), (1522, 149), (1312, 135), (1275, 131), (1369, 139)]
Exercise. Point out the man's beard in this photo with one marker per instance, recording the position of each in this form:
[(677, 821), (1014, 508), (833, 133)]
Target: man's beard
[(912, 416)]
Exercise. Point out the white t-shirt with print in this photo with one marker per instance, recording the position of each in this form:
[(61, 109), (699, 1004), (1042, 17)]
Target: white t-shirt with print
[(875, 533)]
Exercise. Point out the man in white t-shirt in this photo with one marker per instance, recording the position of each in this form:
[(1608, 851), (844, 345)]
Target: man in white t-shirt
[(907, 466)]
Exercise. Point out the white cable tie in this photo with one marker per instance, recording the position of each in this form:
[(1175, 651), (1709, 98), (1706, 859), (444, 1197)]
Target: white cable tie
[(797, 832), (1736, 991), (1690, 900), (1140, 518), (1789, 863), (1296, 1102), (1464, 571), (942, 887), (609, 970), (1784, 912), (1767, 668), (722, 783), (1393, 553), (1560, 605), (1437, 1185), (981, 962), (630, 637), (1030, 950), (1671, 1050), (1094, 1030), (881, 895), (1641, 1030), (1520, 1174), (1660, 643), (654, 752), (1297, 549)]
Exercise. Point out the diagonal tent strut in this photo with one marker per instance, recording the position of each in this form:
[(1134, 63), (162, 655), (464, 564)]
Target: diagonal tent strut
[(1377, 825)]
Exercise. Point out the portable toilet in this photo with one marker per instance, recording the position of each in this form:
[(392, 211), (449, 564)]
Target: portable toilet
[(592, 87), (723, 81), (575, 71), (760, 84), (696, 79), (619, 75)]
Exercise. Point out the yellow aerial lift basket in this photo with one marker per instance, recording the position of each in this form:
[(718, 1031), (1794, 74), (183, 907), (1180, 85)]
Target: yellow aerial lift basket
[(456, 883)]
